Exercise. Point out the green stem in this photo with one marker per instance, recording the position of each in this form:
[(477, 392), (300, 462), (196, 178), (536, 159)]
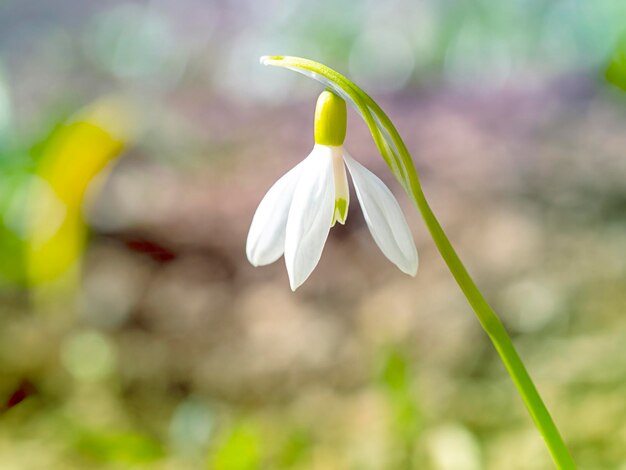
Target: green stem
[(395, 153), (499, 337)]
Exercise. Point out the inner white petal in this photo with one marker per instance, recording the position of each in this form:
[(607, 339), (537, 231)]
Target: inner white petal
[(342, 190)]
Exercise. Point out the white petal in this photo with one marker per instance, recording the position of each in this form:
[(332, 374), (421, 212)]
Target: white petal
[(384, 217), (266, 238), (310, 215)]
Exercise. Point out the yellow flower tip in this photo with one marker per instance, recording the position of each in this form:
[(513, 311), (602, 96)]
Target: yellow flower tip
[(330, 119)]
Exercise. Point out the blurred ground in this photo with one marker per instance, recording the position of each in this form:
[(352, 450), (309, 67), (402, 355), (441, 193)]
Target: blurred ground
[(159, 346)]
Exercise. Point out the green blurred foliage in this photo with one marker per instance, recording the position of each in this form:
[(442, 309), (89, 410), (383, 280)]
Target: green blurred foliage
[(616, 69), (126, 448), (398, 380), (241, 449)]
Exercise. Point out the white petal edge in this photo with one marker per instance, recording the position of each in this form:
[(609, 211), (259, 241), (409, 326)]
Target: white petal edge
[(384, 217), (310, 215), (266, 237)]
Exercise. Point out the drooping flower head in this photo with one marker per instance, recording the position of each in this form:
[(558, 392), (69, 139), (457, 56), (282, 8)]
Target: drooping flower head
[(295, 216)]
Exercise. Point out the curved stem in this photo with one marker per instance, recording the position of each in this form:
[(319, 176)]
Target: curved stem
[(499, 337)]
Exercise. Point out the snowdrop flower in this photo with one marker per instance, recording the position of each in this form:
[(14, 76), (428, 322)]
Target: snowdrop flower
[(295, 216)]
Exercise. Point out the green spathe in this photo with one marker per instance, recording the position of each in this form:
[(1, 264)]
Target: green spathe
[(330, 119)]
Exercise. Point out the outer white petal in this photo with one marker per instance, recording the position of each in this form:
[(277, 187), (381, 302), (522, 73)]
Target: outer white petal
[(266, 238), (384, 217), (310, 215)]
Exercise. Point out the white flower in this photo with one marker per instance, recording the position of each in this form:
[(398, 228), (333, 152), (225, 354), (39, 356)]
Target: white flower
[(295, 216)]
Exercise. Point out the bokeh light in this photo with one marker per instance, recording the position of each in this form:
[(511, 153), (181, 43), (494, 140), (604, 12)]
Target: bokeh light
[(88, 356)]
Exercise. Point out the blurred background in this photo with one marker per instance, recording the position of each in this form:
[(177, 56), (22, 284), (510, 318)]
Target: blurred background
[(136, 140)]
